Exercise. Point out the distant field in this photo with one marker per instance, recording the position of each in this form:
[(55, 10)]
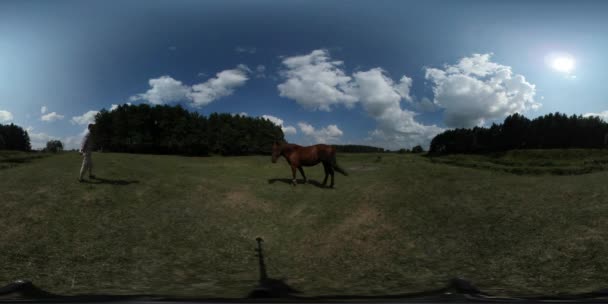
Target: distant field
[(399, 223), (10, 159), (560, 162)]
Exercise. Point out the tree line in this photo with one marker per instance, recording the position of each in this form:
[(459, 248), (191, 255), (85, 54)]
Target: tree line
[(358, 149), (174, 130), (13, 137), (551, 131)]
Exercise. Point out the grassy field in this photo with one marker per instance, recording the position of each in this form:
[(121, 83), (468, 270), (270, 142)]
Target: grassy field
[(399, 223)]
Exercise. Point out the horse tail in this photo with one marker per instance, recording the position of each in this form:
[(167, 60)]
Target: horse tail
[(334, 164)]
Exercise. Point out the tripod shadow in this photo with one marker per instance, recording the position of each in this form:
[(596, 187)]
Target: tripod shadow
[(268, 287), (117, 182)]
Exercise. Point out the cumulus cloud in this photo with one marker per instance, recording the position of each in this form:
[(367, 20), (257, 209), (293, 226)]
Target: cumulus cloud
[(74, 141), (329, 134), (223, 84), (165, 89), (43, 109), (424, 105), (603, 115), (287, 130), (5, 116), (381, 98), (115, 106), (315, 81), (85, 119), (38, 140), (476, 89), (50, 117)]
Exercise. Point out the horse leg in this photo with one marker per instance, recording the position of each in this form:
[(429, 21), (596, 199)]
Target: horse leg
[(302, 172), (293, 174), (326, 173), (331, 172)]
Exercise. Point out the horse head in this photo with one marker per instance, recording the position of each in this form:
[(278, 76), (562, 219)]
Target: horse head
[(276, 151)]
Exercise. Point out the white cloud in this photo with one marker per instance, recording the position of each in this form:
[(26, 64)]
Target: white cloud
[(73, 142), (329, 134), (381, 98), (476, 89), (85, 119), (50, 117), (603, 115), (287, 130), (5, 116), (43, 109), (424, 105), (316, 82), (115, 106), (245, 49), (223, 84), (165, 89), (38, 140)]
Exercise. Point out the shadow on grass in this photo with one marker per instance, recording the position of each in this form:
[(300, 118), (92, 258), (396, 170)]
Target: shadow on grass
[(299, 181), (117, 182), (268, 287)]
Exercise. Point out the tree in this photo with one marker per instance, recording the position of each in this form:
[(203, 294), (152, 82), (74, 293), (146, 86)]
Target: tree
[(14, 137), (417, 149), (551, 131), (54, 146), (174, 130)]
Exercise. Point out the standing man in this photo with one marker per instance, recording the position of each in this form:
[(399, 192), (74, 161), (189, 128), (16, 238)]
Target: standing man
[(86, 148)]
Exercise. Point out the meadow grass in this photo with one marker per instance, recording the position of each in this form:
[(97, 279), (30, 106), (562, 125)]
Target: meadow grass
[(398, 223)]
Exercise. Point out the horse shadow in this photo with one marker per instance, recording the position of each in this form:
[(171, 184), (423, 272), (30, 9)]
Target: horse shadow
[(299, 181), (107, 181)]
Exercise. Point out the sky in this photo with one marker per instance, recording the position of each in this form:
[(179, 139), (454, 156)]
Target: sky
[(386, 73)]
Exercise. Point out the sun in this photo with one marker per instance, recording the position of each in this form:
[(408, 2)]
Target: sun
[(560, 62), (563, 64)]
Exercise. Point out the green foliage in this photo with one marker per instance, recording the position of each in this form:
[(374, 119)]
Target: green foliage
[(174, 130), (13, 137), (54, 146), (552, 131)]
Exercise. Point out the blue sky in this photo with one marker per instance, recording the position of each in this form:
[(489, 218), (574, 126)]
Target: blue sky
[(388, 73)]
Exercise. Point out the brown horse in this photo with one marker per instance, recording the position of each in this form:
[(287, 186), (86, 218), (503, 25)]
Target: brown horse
[(298, 156)]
